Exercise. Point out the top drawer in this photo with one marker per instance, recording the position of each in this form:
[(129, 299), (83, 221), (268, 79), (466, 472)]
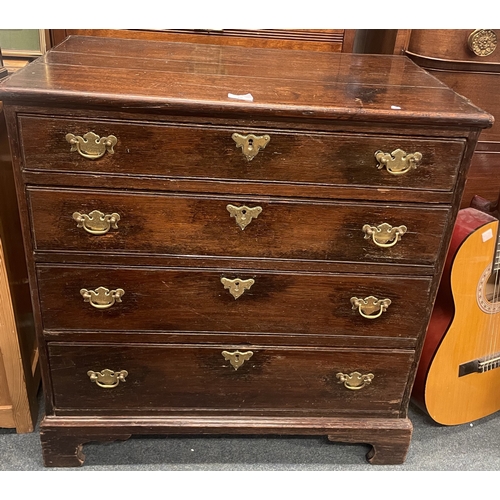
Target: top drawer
[(191, 152)]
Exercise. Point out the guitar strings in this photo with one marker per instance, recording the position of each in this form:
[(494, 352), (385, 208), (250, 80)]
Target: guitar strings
[(492, 330), (496, 291)]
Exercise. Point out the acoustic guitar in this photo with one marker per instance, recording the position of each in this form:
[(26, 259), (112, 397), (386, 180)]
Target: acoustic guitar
[(458, 378)]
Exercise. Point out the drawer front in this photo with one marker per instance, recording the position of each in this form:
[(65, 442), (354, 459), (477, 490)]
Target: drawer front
[(232, 378), (235, 227), (212, 153), (186, 300)]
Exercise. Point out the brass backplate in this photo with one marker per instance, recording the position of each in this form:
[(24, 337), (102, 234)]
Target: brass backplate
[(237, 287), (384, 235), (91, 146), (355, 380), (237, 358), (370, 307), (102, 298), (251, 144), (398, 162), (243, 215), (107, 379), (96, 222)]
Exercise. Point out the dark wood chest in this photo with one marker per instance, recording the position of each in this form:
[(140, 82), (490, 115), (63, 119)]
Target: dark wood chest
[(234, 240)]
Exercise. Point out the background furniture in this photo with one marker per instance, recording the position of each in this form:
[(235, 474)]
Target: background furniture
[(3, 69), (228, 245), (447, 54), (19, 370), (20, 46), (320, 40), (468, 61)]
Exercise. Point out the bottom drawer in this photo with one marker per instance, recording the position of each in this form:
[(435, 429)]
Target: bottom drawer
[(226, 378)]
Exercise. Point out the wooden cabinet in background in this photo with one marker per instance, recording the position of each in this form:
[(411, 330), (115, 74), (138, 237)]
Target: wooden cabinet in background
[(19, 371), (333, 40), (19, 367), (449, 56), (468, 61)]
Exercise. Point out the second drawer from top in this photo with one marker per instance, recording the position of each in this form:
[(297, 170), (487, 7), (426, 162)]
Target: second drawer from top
[(235, 227)]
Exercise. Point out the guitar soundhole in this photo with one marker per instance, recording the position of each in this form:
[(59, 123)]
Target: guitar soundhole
[(488, 291), (492, 288)]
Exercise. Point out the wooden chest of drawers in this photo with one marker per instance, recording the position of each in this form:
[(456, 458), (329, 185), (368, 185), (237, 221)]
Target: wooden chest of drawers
[(218, 243)]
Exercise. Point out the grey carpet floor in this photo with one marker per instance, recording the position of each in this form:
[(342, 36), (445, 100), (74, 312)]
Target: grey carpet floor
[(468, 447)]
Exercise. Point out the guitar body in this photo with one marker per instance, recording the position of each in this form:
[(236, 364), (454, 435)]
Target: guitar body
[(464, 328)]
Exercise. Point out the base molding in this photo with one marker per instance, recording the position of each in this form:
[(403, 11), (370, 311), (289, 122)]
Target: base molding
[(63, 437)]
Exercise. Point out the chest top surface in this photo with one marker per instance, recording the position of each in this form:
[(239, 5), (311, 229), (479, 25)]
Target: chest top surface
[(170, 77)]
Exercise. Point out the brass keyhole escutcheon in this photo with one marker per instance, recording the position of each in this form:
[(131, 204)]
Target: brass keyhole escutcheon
[(370, 307), (355, 380), (251, 144), (107, 379), (96, 222), (384, 235), (243, 215), (398, 162), (237, 287), (91, 146), (102, 298), (237, 358)]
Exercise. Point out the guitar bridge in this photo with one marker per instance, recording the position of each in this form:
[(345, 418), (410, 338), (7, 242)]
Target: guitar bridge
[(479, 365)]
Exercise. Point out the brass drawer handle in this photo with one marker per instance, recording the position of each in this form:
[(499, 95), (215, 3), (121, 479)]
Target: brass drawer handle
[(237, 287), (244, 214), (370, 307), (107, 379), (237, 358), (102, 298), (92, 146), (251, 144), (384, 235), (355, 380), (96, 222), (482, 42), (398, 162)]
